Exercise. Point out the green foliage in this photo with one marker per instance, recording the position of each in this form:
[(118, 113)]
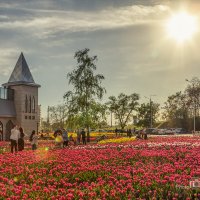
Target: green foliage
[(123, 107), (86, 89), (58, 115), (177, 112), (181, 107), (146, 113)]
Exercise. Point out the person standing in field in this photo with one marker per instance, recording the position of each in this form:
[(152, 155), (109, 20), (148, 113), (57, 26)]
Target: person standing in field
[(83, 134), (145, 135), (21, 140), (116, 132), (65, 138), (15, 134), (78, 136), (34, 140), (59, 140)]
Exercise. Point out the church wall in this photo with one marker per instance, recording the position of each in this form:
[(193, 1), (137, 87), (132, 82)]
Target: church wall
[(4, 121), (28, 120)]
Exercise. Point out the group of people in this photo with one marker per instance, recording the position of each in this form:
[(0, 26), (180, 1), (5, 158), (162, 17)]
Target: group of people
[(129, 132), (17, 139), (62, 139), (142, 134)]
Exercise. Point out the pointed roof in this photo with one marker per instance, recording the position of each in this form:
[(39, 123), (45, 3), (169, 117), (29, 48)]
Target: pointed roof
[(21, 74), (21, 71)]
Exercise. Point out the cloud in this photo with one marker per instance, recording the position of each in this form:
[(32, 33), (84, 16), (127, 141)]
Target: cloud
[(3, 17), (6, 60), (43, 25), (84, 5)]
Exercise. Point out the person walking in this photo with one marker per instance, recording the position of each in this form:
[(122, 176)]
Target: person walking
[(129, 133), (116, 132), (15, 134), (83, 134), (65, 138), (78, 136), (34, 140), (145, 135), (21, 140)]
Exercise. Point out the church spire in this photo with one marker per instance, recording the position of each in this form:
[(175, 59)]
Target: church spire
[(21, 72)]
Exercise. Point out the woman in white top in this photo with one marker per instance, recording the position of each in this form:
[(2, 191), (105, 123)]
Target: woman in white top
[(15, 134)]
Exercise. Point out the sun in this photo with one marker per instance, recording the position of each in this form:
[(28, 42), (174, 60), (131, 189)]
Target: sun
[(181, 26)]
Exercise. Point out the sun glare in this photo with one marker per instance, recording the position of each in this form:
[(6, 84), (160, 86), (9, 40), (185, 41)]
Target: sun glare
[(182, 26)]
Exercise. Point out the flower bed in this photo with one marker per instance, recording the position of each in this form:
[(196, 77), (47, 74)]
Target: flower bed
[(117, 140), (92, 134), (159, 168)]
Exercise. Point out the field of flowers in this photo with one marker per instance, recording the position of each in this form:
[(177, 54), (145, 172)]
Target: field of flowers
[(159, 168)]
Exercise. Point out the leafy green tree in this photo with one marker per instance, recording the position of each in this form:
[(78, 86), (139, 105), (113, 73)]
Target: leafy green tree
[(176, 110), (193, 95), (45, 126), (86, 86), (123, 107), (97, 113), (58, 115), (181, 108), (148, 113), (96, 117)]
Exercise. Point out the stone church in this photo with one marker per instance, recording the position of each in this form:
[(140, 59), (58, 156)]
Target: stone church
[(19, 101)]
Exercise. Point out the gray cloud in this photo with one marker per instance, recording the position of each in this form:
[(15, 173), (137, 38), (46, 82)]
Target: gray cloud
[(84, 5), (43, 25)]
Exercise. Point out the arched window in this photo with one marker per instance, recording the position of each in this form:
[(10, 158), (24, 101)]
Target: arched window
[(30, 104), (33, 105), (26, 104)]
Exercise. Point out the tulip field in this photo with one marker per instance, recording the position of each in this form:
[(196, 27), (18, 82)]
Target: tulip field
[(157, 168)]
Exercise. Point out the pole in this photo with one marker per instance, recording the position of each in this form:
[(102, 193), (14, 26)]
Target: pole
[(194, 121), (194, 110), (194, 102), (151, 121), (48, 114), (111, 119), (151, 110)]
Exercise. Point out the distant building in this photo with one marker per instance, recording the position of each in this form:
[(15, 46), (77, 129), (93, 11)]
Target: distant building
[(19, 101)]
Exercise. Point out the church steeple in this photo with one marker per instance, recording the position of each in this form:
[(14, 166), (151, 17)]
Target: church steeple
[(21, 74)]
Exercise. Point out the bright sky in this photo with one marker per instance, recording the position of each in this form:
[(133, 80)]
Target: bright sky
[(135, 51)]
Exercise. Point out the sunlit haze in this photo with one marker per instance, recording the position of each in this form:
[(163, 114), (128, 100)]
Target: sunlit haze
[(182, 26)]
